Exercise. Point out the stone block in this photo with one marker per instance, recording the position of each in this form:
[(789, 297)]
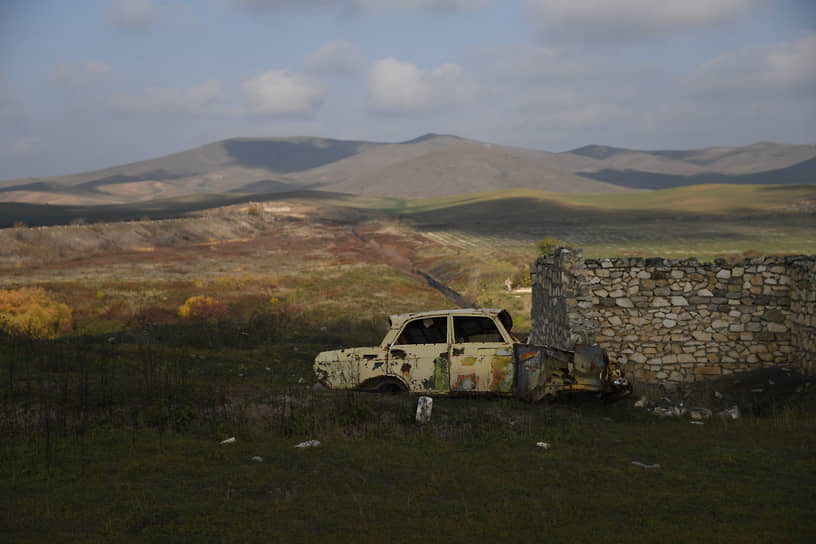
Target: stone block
[(638, 358), (659, 302), (774, 315)]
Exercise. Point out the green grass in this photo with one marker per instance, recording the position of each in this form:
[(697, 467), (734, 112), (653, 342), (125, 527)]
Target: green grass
[(702, 221), (118, 438), (473, 473)]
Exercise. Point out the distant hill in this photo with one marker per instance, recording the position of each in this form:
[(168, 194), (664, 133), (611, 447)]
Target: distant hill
[(431, 165)]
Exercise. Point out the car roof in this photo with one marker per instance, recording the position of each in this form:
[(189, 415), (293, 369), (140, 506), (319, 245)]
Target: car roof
[(396, 321)]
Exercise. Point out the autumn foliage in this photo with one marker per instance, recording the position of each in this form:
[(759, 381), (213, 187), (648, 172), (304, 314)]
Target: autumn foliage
[(203, 308), (29, 311)]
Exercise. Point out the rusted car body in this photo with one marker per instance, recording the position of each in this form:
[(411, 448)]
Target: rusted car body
[(469, 351)]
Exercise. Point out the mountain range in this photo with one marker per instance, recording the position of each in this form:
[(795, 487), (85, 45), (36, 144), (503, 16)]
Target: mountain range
[(432, 165)]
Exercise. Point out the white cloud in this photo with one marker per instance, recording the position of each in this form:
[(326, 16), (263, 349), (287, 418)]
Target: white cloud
[(133, 14), (786, 66), (338, 58), (172, 100), (623, 17), (279, 92), (401, 87), (365, 6), (82, 72)]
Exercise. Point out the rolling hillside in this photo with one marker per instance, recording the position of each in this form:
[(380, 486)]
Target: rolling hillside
[(429, 166)]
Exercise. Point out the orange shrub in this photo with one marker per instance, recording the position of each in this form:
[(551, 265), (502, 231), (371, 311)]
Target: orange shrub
[(29, 311), (203, 308)]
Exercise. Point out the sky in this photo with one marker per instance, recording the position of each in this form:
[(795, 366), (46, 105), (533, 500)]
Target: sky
[(86, 84)]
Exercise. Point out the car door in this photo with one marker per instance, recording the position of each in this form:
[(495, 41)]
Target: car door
[(420, 354), (481, 358)]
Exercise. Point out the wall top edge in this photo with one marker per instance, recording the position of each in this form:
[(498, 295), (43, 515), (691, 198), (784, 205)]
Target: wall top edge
[(656, 262)]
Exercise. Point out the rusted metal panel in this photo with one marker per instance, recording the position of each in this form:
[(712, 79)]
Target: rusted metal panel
[(422, 366)]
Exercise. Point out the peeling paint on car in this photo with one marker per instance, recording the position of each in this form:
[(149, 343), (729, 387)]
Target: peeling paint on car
[(466, 382), (468, 361), (441, 377), (501, 372)]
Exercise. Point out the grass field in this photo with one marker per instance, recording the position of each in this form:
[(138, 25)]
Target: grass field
[(113, 432)]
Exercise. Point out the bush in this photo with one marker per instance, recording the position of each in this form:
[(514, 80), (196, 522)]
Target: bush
[(29, 311), (548, 245), (203, 308)]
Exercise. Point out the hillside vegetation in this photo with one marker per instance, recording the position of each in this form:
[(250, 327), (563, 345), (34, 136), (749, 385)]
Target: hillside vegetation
[(429, 166)]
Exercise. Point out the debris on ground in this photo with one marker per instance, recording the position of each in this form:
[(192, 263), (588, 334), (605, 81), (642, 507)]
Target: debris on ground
[(543, 445), (642, 402), (258, 459), (731, 413), (638, 463), (309, 444), (424, 408), (700, 413), (229, 440), (668, 408)]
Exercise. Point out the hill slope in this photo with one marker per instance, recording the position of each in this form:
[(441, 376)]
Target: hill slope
[(428, 166)]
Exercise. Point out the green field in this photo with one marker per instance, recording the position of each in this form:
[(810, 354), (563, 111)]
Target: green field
[(121, 440)]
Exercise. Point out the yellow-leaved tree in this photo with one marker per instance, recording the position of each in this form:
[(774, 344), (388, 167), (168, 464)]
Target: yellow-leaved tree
[(29, 311)]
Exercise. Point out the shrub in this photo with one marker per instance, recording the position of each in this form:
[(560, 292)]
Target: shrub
[(29, 311), (548, 245), (203, 308), (254, 209), (521, 278)]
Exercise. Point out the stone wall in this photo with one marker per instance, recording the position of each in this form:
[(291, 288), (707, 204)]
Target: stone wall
[(679, 321)]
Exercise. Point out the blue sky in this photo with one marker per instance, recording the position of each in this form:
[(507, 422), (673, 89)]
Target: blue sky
[(86, 84)]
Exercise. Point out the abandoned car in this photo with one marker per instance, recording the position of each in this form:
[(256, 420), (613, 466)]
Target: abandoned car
[(471, 350)]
